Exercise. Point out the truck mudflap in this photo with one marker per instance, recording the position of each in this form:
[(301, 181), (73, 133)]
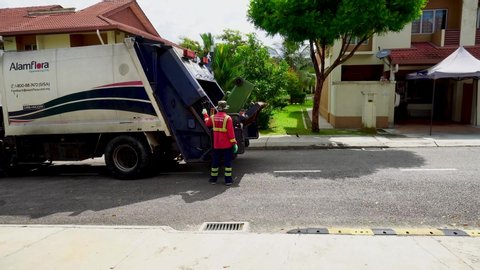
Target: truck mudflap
[(183, 87)]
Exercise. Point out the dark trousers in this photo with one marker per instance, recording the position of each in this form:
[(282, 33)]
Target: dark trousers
[(217, 156)]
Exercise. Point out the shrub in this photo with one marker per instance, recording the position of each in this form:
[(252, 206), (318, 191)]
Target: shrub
[(263, 120), (297, 97)]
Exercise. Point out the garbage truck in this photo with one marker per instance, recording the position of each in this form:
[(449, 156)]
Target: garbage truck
[(137, 103)]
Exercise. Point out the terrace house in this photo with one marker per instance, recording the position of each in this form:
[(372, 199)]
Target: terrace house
[(371, 88), (53, 26)]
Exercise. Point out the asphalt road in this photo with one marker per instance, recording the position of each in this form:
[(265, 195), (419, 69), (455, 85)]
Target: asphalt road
[(275, 191)]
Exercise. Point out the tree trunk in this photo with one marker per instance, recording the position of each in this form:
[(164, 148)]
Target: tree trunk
[(316, 104), (320, 79)]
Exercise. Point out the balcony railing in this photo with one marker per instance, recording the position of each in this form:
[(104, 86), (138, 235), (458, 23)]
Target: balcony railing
[(452, 37)]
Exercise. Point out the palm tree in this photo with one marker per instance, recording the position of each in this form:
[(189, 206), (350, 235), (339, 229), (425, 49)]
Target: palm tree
[(297, 56), (226, 67), (208, 43), (191, 44)]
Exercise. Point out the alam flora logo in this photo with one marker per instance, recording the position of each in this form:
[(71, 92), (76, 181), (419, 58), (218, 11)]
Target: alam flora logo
[(33, 66)]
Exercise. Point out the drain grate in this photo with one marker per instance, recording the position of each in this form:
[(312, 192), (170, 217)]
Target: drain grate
[(224, 227)]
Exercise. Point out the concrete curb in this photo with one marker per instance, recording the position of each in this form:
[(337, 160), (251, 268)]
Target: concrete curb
[(289, 142)]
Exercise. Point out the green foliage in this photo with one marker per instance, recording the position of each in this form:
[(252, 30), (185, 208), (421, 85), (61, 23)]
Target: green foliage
[(264, 118), (296, 54), (245, 56), (232, 37), (190, 44), (289, 52), (329, 20), (225, 66), (294, 88), (307, 80), (208, 43), (299, 76), (239, 55), (269, 78), (292, 119)]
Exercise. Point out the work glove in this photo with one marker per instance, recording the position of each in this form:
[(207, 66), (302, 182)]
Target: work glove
[(204, 111), (235, 148)]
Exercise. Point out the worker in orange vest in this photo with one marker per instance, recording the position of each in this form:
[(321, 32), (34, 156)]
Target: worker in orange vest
[(224, 143)]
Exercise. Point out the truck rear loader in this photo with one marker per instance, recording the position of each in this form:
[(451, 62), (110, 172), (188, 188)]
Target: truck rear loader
[(136, 103)]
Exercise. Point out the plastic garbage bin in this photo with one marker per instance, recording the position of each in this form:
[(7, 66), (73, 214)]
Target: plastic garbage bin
[(239, 95)]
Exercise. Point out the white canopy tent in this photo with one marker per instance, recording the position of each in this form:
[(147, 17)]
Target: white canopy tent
[(459, 65)]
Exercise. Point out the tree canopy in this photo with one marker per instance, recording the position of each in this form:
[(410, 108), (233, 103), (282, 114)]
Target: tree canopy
[(191, 44), (322, 22), (239, 55), (329, 20)]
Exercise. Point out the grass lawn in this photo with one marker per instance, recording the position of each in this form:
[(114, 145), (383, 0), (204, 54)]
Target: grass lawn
[(294, 120)]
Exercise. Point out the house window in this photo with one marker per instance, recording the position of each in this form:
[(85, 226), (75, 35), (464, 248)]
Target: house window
[(30, 47), (26, 43), (430, 21), (78, 40), (356, 40), (362, 72)]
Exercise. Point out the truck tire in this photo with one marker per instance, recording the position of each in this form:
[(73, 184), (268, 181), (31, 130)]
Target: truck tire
[(127, 157)]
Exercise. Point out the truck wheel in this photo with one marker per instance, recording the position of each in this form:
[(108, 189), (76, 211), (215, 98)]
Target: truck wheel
[(127, 158)]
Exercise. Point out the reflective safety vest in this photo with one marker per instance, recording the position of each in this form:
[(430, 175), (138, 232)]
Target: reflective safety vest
[(223, 132)]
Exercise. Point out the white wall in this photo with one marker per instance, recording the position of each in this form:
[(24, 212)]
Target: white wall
[(346, 98), (457, 101), (390, 40), (53, 41), (348, 101), (468, 24), (9, 43), (395, 40)]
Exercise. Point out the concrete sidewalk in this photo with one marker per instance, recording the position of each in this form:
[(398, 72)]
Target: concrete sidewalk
[(378, 141), (99, 247), (403, 136)]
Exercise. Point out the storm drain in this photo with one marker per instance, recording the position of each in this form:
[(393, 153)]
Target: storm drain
[(224, 227)]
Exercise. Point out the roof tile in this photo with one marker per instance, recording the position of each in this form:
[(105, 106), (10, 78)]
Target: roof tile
[(426, 53), (17, 21)]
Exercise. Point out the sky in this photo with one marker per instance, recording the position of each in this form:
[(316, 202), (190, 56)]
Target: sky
[(176, 18)]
